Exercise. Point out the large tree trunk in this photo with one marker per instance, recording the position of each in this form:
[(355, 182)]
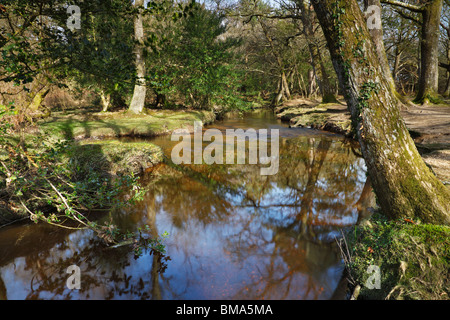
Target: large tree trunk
[(404, 185), (138, 100), (429, 72), (322, 77), (446, 66), (377, 38)]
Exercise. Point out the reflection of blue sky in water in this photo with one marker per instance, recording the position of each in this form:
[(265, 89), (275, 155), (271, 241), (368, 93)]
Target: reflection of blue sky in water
[(273, 238), (237, 262)]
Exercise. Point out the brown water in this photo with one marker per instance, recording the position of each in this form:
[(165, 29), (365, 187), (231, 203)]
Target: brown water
[(233, 234)]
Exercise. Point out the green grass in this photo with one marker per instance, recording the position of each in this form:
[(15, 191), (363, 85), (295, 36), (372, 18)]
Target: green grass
[(122, 124), (115, 157)]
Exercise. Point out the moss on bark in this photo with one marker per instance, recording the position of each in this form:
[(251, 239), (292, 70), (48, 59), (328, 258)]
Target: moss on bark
[(404, 185)]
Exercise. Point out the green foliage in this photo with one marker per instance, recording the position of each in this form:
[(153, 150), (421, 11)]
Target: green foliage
[(101, 52), (195, 62), (142, 241), (35, 40)]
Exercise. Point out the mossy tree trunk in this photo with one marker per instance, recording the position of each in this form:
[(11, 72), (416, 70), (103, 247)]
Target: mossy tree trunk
[(138, 100), (377, 37), (403, 184), (430, 11), (322, 76), (429, 73), (38, 99)]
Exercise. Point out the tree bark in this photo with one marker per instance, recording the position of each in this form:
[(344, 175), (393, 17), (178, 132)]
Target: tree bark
[(446, 92), (138, 100), (285, 85), (377, 38), (398, 57), (312, 84), (404, 185), (106, 100), (429, 73), (430, 10)]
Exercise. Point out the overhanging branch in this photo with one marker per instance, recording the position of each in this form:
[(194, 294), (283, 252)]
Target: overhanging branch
[(411, 7)]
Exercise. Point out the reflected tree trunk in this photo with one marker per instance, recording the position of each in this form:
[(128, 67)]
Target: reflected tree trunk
[(364, 202), (3, 293), (156, 263), (314, 165)]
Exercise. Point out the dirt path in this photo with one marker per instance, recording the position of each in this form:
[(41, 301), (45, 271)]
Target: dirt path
[(429, 127)]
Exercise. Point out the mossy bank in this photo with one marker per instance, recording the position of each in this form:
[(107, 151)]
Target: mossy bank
[(86, 151), (122, 124), (413, 260), (333, 117)]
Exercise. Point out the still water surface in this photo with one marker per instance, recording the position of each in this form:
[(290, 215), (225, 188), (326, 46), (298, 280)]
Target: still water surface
[(233, 234)]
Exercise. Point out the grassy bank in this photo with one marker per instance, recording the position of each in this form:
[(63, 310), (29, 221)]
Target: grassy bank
[(121, 124), (413, 259), (79, 155)]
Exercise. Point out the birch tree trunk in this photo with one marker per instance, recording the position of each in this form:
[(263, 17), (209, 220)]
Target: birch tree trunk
[(403, 184), (138, 100)]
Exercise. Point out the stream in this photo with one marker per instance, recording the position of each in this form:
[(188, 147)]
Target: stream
[(232, 233)]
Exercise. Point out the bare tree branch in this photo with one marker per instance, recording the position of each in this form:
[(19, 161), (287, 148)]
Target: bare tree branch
[(411, 7)]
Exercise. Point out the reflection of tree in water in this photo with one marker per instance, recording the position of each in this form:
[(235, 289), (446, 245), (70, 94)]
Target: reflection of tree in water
[(322, 189), (283, 224), (105, 273)]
